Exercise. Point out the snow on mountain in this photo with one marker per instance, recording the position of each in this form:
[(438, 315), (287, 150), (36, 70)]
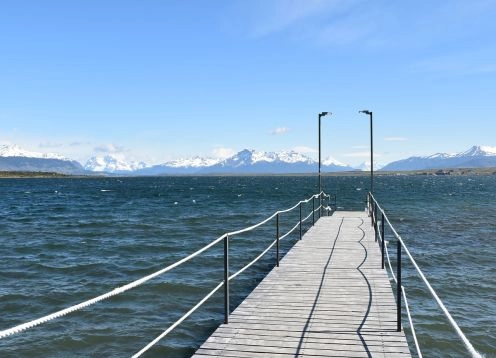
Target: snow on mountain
[(475, 157), (112, 164), (14, 158), (331, 161), (251, 161), (16, 151), (365, 166), (250, 157), (195, 162), (483, 151), (246, 161)]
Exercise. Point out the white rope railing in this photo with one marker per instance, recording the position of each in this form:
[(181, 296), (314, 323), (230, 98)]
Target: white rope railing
[(136, 283), (239, 272), (470, 348), (114, 292), (412, 327), (179, 321), (389, 262)]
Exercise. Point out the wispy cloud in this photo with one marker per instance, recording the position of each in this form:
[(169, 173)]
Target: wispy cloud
[(109, 148), (78, 144), (279, 130), (278, 15), (223, 152), (357, 154), (304, 150), (50, 145), (395, 139)]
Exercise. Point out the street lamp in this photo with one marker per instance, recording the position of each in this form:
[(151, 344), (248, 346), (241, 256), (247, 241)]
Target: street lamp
[(371, 151), (322, 114)]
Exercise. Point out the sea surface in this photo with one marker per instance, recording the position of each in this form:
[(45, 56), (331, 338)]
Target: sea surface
[(63, 241)]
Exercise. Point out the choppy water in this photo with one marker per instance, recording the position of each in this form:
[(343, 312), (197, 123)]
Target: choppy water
[(63, 241)]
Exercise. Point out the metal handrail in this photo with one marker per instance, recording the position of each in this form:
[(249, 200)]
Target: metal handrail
[(374, 207), (224, 283)]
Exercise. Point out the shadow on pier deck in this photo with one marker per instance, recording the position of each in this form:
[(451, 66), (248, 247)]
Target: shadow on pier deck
[(329, 297)]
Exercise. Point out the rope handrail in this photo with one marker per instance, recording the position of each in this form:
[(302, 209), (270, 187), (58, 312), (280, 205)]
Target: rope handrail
[(179, 321), (389, 263), (114, 292), (22, 327), (412, 327), (250, 228), (453, 323), (233, 276)]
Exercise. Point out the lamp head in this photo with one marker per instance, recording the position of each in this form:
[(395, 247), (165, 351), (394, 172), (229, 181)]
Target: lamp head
[(324, 114), (365, 112)]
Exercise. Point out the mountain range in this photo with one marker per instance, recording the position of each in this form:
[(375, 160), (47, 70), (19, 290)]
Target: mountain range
[(247, 161), (475, 157), (14, 158)]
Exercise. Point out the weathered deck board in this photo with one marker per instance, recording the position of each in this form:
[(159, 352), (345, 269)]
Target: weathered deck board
[(328, 298)]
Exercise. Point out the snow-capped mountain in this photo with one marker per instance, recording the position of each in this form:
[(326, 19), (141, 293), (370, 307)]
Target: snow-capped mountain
[(247, 161), (475, 157), (365, 166), (16, 151), (112, 164), (14, 158), (195, 162), (251, 161), (180, 166)]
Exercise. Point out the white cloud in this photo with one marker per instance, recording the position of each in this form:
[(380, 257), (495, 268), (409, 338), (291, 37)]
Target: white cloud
[(395, 139), (304, 150), (280, 130), (50, 145), (109, 148), (223, 152), (277, 15), (357, 154)]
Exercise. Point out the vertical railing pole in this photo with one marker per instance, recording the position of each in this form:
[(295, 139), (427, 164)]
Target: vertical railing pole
[(382, 241), (375, 215), (226, 279), (320, 205), (398, 288), (376, 229), (313, 210), (371, 212), (300, 220), (277, 239)]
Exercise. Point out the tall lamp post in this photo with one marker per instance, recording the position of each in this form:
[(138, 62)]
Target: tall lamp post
[(369, 113), (322, 114)]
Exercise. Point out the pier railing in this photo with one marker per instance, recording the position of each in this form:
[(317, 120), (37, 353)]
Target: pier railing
[(317, 208), (379, 219)]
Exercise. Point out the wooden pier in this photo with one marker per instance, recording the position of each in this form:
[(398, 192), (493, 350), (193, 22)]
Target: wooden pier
[(328, 298)]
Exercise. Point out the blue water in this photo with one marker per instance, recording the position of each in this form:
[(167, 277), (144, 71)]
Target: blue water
[(63, 241)]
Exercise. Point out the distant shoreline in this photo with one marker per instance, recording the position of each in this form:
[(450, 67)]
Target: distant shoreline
[(434, 172)]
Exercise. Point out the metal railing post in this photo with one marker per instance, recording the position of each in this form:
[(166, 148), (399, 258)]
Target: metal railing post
[(376, 229), (313, 210), (371, 211), (375, 214), (300, 220), (398, 288), (320, 205), (277, 239), (226, 279), (382, 241)]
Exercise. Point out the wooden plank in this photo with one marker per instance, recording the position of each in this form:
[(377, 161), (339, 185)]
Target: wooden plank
[(328, 298)]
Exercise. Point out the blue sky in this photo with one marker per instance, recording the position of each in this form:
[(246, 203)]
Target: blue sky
[(160, 80)]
